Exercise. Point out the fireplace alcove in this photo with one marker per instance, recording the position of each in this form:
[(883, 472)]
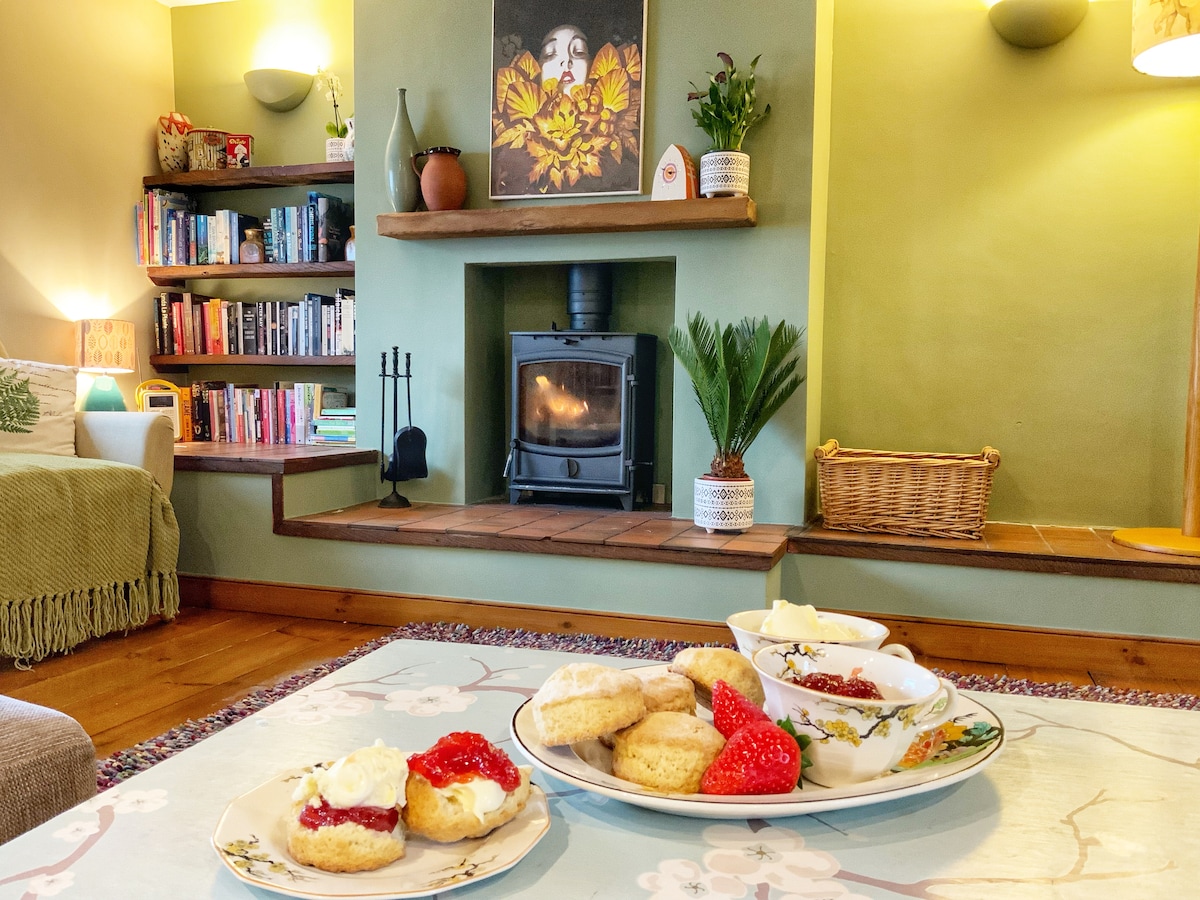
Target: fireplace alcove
[(505, 298)]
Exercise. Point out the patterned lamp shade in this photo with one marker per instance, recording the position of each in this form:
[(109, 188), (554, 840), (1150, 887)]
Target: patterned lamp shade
[(1166, 38), (106, 345)]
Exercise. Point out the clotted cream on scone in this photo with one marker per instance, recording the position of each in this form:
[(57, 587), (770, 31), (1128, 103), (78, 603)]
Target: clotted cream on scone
[(346, 818)]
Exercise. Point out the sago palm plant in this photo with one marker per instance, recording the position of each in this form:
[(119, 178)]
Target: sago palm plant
[(741, 376)]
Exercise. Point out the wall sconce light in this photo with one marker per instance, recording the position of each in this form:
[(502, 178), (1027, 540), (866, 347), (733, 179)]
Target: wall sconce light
[(104, 346), (1035, 23), (278, 89), (1173, 54)]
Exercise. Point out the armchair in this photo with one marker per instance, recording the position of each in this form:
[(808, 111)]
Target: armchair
[(89, 543), (135, 438)]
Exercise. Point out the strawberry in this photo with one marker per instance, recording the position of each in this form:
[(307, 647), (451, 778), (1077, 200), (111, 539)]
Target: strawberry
[(760, 758), (731, 710)]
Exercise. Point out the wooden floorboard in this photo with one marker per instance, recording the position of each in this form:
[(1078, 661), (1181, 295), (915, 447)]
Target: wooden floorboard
[(124, 689)]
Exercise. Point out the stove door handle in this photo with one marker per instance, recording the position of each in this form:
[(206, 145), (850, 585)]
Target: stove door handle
[(508, 462)]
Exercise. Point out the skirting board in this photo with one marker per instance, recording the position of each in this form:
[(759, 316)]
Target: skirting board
[(942, 639)]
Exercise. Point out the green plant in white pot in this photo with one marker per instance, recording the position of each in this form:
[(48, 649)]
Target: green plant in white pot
[(725, 114), (741, 376)]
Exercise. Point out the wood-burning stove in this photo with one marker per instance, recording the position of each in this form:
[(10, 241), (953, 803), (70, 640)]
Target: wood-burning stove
[(582, 414)]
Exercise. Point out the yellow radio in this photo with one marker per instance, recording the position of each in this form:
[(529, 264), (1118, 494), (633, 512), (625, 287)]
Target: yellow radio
[(161, 396)]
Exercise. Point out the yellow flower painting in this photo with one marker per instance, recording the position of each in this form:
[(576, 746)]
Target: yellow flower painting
[(566, 117)]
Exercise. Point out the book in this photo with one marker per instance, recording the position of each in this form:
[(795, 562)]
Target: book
[(219, 253), (344, 326), (333, 220), (214, 327), (177, 329), (161, 313), (202, 241)]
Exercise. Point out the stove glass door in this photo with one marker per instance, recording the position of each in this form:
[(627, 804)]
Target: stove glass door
[(572, 403)]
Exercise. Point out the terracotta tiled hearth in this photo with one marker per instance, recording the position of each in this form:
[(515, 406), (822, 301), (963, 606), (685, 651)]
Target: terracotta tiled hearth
[(570, 531)]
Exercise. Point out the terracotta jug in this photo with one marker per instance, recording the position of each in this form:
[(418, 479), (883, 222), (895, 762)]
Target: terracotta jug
[(443, 181)]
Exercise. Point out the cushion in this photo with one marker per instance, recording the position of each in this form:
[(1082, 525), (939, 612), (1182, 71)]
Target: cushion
[(37, 407)]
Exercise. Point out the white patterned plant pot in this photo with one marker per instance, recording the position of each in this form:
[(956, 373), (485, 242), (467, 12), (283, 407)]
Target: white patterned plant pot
[(725, 173), (335, 150), (724, 504)]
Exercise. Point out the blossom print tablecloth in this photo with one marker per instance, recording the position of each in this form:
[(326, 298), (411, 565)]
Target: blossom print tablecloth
[(1086, 800)]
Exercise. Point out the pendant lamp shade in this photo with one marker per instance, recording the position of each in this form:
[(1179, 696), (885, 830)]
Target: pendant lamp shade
[(1166, 38)]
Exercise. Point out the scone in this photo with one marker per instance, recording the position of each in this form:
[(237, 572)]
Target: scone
[(346, 818), (704, 665), (581, 701), (666, 751), (662, 692), (667, 692), (463, 787)]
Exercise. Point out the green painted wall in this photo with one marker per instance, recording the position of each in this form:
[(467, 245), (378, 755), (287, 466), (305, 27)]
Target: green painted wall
[(415, 290), (1012, 256)]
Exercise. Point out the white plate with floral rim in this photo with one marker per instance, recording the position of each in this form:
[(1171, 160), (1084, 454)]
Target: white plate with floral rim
[(251, 839), (960, 749)]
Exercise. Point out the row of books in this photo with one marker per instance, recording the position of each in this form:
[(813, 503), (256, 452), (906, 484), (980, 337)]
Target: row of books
[(170, 232), (316, 325), (334, 425), (288, 413), (316, 232)]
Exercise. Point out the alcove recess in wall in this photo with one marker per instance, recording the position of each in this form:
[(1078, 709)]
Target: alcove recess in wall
[(501, 299)]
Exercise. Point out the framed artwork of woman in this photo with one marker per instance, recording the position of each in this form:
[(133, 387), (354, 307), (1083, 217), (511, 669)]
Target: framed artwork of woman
[(567, 97)]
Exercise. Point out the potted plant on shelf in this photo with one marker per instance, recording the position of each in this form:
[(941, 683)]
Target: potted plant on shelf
[(338, 129), (742, 375), (725, 114)]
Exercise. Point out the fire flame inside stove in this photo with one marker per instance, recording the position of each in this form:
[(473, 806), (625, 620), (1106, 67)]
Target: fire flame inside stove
[(558, 402)]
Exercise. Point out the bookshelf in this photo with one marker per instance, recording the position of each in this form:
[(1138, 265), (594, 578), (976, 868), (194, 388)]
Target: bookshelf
[(176, 363), (178, 278), (251, 178)]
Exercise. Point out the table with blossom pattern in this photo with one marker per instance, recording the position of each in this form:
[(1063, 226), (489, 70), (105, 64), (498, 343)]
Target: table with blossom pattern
[(1086, 800)]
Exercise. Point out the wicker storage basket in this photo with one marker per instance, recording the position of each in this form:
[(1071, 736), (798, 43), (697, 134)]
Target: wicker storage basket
[(919, 494)]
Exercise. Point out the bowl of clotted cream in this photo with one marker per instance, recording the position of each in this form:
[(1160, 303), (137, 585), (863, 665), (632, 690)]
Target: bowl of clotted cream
[(785, 622)]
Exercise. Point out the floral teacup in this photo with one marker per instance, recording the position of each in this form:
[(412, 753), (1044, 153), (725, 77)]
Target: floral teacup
[(853, 739)]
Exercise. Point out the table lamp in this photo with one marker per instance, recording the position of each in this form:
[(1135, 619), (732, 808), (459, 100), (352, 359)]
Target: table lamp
[(1169, 46), (105, 346)]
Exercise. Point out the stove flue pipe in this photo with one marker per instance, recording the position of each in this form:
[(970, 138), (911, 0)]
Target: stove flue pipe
[(589, 296)]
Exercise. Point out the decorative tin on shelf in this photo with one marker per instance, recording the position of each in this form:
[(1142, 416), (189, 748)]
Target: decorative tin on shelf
[(207, 149), (918, 494)]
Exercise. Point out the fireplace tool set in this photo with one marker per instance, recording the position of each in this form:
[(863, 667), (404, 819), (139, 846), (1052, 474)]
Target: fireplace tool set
[(407, 459)]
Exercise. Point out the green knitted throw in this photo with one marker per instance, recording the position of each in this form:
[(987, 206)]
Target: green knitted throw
[(87, 547)]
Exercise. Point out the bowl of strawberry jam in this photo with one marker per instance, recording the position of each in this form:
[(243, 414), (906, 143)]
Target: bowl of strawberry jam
[(862, 708)]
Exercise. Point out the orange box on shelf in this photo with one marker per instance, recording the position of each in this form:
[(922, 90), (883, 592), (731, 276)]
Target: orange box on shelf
[(238, 150)]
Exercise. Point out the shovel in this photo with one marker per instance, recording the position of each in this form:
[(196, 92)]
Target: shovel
[(408, 457), (407, 460)]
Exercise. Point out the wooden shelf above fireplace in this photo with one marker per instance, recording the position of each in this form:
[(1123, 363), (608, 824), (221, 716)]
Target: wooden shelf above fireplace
[(580, 218)]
